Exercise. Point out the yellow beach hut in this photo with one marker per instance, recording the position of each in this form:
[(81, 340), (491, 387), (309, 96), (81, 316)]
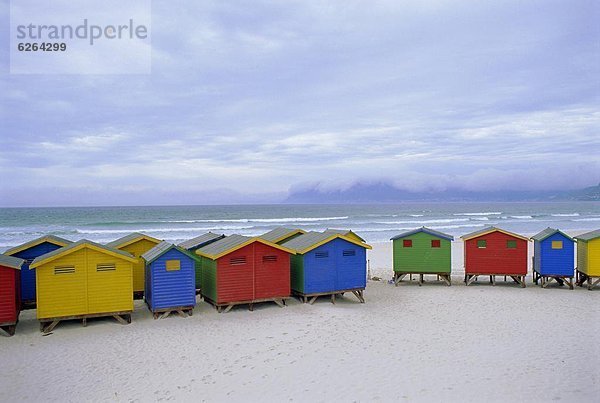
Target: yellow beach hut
[(137, 244), (588, 259), (83, 280)]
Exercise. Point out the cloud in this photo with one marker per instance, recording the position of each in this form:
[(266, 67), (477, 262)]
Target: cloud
[(258, 99)]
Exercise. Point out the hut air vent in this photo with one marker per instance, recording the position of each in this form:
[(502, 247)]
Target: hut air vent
[(269, 258), (237, 260), (321, 255), (106, 267), (349, 253), (64, 270)]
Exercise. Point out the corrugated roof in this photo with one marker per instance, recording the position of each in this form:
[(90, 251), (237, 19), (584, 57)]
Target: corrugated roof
[(200, 241), (77, 244), (127, 239), (313, 239), (425, 230), (588, 236), (345, 232), (223, 245), (280, 233), (540, 236), (229, 244), (163, 248), (11, 261), (56, 240), (489, 229)]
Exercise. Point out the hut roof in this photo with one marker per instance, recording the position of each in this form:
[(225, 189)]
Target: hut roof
[(163, 248), (201, 240), (489, 230), (232, 243), (588, 236), (425, 230), (281, 233), (11, 261), (53, 239), (345, 232), (131, 238), (55, 254), (540, 236), (311, 240)]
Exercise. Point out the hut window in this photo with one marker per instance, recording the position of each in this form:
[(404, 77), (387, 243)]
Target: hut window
[(482, 244), (64, 270), (511, 244), (350, 252), (106, 267), (234, 261), (557, 245), (407, 243), (269, 259), (321, 255), (435, 243), (173, 265)]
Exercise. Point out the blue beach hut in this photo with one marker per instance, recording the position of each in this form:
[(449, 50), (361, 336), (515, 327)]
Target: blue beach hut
[(28, 252), (553, 257), (170, 281), (327, 263)]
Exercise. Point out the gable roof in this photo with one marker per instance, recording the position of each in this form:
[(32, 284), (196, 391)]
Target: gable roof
[(53, 239), (488, 230), (345, 232), (131, 238), (163, 248), (232, 243), (73, 247), (425, 230), (540, 236), (281, 233), (11, 262), (588, 236), (201, 240), (311, 240)]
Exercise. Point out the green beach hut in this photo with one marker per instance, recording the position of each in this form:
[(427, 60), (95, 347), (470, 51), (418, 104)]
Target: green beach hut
[(422, 251)]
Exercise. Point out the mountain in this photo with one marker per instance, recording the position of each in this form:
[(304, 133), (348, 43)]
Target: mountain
[(382, 192)]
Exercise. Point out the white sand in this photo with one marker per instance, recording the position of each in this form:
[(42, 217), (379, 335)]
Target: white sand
[(434, 342)]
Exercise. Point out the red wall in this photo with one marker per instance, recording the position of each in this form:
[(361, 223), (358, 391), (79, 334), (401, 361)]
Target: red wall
[(255, 279), (496, 258), (9, 294)]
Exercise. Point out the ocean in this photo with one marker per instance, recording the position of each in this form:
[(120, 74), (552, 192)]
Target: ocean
[(375, 223)]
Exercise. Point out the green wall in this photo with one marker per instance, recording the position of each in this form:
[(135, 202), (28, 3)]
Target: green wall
[(209, 278), (422, 257), (297, 272)]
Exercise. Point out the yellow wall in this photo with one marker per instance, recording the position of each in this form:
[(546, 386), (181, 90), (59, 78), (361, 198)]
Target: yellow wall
[(86, 291), (593, 257), (137, 249)]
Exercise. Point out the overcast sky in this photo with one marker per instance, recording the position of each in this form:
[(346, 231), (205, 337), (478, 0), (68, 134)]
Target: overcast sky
[(247, 100)]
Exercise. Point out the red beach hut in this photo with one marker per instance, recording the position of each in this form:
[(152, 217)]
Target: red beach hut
[(10, 300), (495, 252), (243, 270)]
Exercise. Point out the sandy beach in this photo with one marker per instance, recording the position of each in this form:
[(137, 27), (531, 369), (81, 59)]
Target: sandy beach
[(410, 343)]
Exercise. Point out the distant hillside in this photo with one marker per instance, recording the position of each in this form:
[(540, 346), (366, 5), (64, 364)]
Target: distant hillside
[(386, 193)]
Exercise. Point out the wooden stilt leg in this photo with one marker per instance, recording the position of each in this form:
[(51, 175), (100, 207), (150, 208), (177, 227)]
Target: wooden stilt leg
[(312, 301), (333, 298), (51, 326), (228, 308), (120, 319), (278, 302)]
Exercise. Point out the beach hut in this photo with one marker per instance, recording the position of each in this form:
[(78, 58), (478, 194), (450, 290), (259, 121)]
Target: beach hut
[(198, 242), (588, 259), (422, 251), (281, 235), (553, 257), (83, 280), (29, 251), (170, 280), (10, 304), (136, 244), (243, 270), (326, 263), (347, 233), (495, 252)]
